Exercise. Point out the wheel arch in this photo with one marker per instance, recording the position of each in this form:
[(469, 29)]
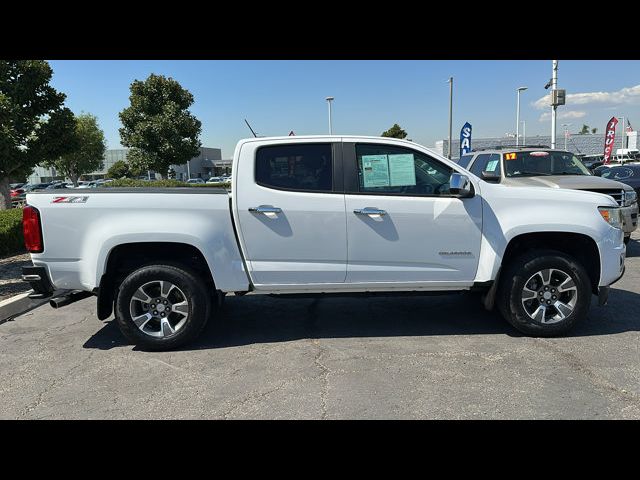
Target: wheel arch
[(577, 245), (127, 257)]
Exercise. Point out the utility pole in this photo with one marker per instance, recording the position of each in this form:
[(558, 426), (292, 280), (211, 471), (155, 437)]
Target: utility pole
[(450, 113), (520, 89), (554, 86)]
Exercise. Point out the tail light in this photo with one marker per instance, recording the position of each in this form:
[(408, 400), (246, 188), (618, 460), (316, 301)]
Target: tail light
[(32, 229)]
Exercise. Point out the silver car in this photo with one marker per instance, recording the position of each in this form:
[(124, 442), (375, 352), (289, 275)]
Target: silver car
[(543, 167)]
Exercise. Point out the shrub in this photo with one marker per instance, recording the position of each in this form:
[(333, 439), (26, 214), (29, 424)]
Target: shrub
[(11, 239), (135, 183)]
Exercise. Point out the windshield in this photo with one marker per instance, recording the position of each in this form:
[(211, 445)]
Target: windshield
[(530, 164)]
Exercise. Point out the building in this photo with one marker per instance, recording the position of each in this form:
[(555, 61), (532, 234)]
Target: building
[(587, 144), (208, 163)]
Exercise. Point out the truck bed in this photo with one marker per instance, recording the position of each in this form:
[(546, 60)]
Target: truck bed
[(81, 227)]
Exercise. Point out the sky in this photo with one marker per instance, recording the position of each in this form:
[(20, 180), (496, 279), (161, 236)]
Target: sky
[(277, 97)]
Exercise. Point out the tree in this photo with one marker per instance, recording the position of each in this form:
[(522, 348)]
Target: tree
[(585, 130), (34, 124), (88, 149), (594, 130), (395, 132), (157, 126), (119, 169)]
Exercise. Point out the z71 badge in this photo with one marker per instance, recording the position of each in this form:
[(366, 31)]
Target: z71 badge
[(70, 199)]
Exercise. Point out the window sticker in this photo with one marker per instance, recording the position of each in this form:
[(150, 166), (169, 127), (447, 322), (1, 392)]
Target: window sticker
[(491, 166), (375, 170), (509, 156), (402, 170)]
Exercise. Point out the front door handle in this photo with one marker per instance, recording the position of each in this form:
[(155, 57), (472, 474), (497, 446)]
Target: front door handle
[(369, 211), (265, 209)]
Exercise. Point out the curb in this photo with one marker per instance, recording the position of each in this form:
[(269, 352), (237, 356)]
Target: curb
[(15, 306)]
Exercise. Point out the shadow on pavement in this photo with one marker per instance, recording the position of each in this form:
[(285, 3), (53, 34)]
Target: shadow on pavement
[(261, 319), (633, 248)]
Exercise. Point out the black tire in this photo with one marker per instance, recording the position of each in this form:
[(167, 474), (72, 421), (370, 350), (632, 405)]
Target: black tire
[(188, 282), (520, 270), (627, 240)]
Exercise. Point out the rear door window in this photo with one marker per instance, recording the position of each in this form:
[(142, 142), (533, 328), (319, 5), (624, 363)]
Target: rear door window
[(299, 167)]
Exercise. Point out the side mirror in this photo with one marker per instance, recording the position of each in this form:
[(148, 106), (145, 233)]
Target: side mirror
[(460, 185), (493, 177)]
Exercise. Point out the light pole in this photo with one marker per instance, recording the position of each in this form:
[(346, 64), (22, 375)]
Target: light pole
[(329, 100), (524, 131), (554, 86), (450, 81), (520, 89), (566, 133)]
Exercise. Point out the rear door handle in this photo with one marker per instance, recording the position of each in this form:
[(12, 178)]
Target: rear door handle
[(265, 209), (369, 211)]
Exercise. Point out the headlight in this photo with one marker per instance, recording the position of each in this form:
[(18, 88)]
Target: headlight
[(611, 215), (630, 198)]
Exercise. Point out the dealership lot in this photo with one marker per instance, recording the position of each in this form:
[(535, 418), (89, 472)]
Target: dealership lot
[(413, 357)]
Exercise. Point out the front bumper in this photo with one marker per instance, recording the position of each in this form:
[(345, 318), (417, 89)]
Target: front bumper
[(603, 292), (629, 218)]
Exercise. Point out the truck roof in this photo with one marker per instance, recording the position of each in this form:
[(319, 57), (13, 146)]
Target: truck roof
[(294, 138)]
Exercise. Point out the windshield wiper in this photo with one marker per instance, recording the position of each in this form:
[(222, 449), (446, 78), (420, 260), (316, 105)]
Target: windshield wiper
[(521, 174)]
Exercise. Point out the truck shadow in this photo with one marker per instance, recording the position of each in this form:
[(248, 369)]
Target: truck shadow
[(261, 319)]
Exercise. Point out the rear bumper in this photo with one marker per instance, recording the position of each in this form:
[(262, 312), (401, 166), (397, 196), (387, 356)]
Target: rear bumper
[(39, 280)]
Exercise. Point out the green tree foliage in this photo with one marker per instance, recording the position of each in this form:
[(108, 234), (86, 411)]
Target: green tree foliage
[(34, 124), (584, 130), (119, 169), (594, 130), (11, 239), (88, 149), (157, 126), (395, 132)]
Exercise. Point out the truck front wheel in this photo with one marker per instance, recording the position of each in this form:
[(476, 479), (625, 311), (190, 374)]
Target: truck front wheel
[(544, 293), (161, 307)]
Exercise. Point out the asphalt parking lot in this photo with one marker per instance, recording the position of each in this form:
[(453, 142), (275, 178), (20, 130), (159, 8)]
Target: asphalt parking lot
[(335, 358)]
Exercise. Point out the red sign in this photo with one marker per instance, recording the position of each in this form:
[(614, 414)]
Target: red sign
[(609, 139)]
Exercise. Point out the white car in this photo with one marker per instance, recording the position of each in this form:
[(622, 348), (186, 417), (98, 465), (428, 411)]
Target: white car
[(195, 180), (324, 215)]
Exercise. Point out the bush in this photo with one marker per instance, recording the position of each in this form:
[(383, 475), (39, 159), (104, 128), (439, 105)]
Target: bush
[(135, 183), (11, 239)]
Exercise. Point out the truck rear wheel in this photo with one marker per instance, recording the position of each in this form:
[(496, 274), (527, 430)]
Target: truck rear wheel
[(161, 307), (544, 293)]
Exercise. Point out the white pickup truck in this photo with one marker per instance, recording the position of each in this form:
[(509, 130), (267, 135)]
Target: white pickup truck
[(323, 215)]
